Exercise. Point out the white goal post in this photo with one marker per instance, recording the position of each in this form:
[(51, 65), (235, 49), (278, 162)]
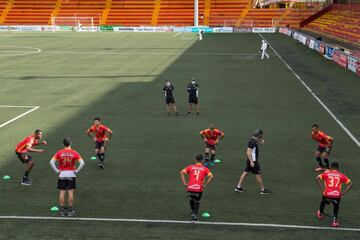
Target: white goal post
[(75, 23)]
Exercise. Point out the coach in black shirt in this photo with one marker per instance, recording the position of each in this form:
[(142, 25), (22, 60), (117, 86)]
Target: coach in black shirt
[(193, 90), (168, 91), (252, 162)]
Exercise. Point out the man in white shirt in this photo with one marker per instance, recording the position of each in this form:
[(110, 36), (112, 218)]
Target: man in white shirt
[(264, 46)]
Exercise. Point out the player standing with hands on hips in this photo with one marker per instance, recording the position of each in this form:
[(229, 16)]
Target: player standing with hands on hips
[(195, 186), (67, 171)]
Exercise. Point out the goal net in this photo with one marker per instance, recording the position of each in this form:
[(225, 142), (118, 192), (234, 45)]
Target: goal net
[(79, 24)]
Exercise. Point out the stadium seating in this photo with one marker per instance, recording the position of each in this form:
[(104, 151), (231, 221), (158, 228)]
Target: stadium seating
[(341, 22), (147, 12)]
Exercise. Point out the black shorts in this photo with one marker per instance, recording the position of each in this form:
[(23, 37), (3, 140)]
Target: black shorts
[(67, 183), (334, 201), (193, 99), (98, 145), (195, 195), (324, 150), (254, 170), (211, 146), (24, 157), (169, 100)]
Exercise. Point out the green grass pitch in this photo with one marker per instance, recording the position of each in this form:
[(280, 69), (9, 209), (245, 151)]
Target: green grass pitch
[(119, 77)]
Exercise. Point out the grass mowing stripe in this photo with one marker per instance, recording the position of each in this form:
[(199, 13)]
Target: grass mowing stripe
[(19, 116), (181, 222), (347, 131)]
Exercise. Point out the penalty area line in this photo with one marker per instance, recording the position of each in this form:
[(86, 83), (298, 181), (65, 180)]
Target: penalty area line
[(33, 108), (347, 131), (179, 222)]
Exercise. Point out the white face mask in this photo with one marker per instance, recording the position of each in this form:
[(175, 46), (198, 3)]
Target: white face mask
[(192, 82), (168, 84)]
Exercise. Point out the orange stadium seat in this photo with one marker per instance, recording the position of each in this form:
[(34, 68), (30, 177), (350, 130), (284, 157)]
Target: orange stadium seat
[(149, 12), (341, 22)]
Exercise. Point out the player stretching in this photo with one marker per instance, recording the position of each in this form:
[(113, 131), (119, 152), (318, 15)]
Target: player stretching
[(211, 137), (67, 171), (102, 137), (195, 186), (331, 189), (22, 151), (325, 145)]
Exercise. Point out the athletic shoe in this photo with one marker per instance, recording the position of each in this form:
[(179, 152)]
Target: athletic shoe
[(239, 189), (265, 191), (334, 224), (101, 165), (70, 212), (177, 114), (26, 181), (168, 114), (188, 113), (319, 215), (193, 217), (319, 169), (63, 212), (197, 113)]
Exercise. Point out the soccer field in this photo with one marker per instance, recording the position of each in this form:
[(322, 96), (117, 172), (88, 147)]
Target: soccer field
[(74, 77)]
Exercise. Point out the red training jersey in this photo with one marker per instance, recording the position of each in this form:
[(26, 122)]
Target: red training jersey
[(211, 136), (100, 132), (67, 158), (28, 141), (333, 180), (322, 139), (197, 173)]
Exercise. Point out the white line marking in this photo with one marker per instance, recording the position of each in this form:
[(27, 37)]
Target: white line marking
[(16, 52), (177, 34), (347, 131), (19, 116), (180, 222), (151, 53), (12, 106)]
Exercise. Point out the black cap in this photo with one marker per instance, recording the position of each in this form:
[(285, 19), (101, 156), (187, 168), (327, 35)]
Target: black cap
[(258, 132)]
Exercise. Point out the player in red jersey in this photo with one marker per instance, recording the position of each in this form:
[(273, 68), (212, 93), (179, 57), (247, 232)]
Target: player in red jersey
[(330, 184), (66, 159), (101, 139), (195, 186), (211, 137), (325, 145), (22, 151)]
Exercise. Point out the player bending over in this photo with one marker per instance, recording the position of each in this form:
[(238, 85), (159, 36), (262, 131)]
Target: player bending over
[(211, 137), (330, 184), (22, 151), (325, 144)]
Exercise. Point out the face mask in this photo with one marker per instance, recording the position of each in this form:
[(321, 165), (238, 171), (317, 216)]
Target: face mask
[(168, 84), (192, 82)]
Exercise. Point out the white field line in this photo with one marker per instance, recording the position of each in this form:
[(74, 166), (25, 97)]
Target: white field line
[(175, 35), (149, 53), (26, 51), (347, 131), (180, 222), (19, 116)]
